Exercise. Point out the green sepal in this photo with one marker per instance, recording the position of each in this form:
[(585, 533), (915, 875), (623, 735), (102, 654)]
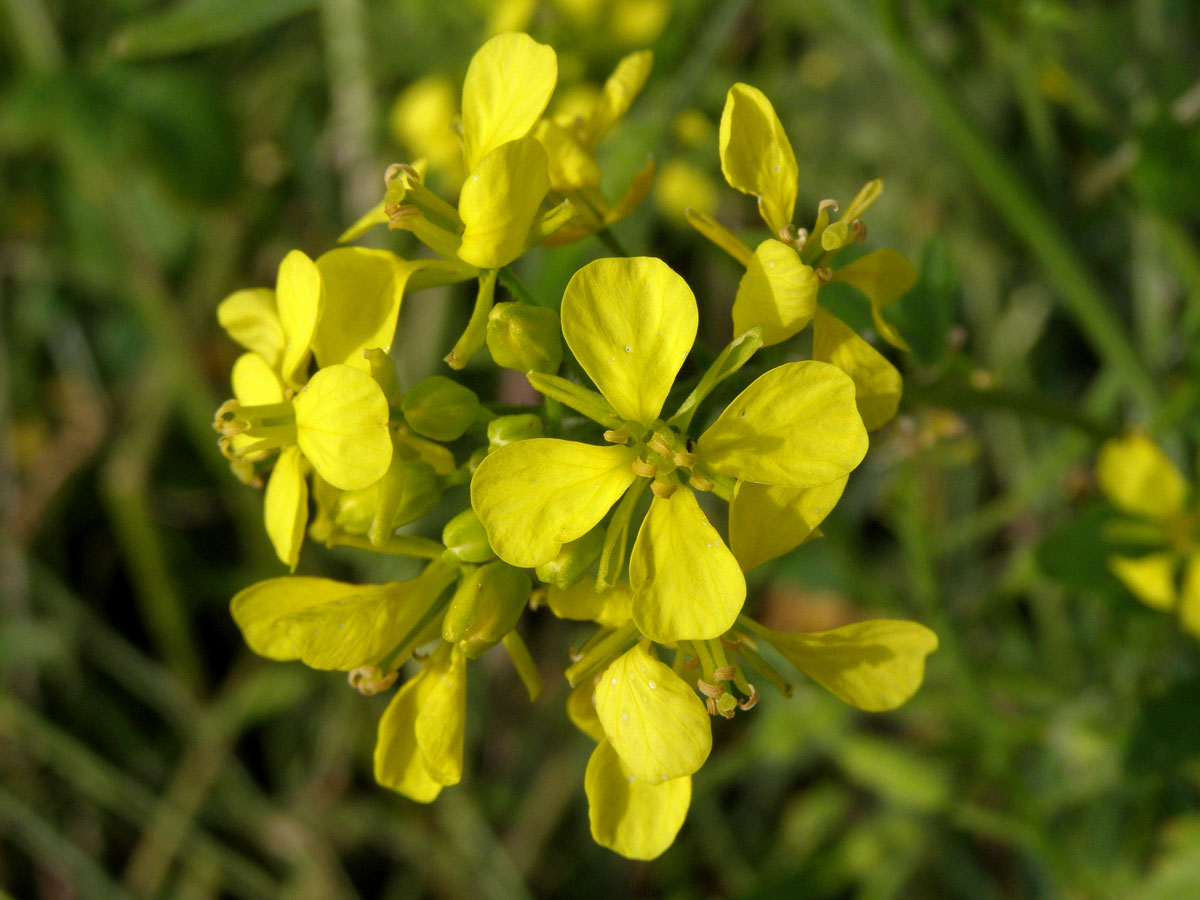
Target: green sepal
[(580, 399), (735, 355), (440, 408), (573, 560)]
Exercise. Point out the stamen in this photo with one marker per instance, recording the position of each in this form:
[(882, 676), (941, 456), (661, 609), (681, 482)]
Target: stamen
[(692, 663), (684, 460), (663, 491), (787, 233), (825, 274), (617, 436), (828, 204), (730, 642), (369, 680), (709, 690), (860, 230), (659, 445), (751, 701), (712, 706), (700, 482), (724, 673), (644, 469)]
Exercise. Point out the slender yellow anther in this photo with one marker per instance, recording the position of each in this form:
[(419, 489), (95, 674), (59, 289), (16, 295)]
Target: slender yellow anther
[(659, 445), (684, 460), (662, 490), (644, 469), (828, 204), (370, 680), (751, 701), (711, 704), (709, 690), (617, 436), (724, 673), (399, 214), (700, 483), (226, 420)]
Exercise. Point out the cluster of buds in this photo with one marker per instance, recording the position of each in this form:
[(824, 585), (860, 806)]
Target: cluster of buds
[(596, 503)]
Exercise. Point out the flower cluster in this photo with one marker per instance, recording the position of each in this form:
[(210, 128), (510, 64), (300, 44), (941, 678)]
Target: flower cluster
[(604, 516)]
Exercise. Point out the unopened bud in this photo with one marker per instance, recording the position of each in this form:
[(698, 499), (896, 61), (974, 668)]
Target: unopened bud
[(486, 607), (420, 488), (525, 337), (466, 539), (504, 430), (573, 560), (440, 408)]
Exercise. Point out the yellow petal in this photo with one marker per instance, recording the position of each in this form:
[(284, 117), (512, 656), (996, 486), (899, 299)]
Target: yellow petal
[(877, 383), (329, 624), (795, 425), (255, 382), (536, 495), (1136, 476), (285, 506), (884, 276), (656, 723), (301, 299), (1150, 578), (363, 291), (442, 717), (633, 818), (618, 94), (251, 318), (777, 292), (582, 602), (399, 764), (1189, 606), (766, 521), (508, 84), (756, 156), (498, 203), (342, 427), (570, 165), (422, 121), (874, 665), (630, 323), (686, 583), (582, 711)]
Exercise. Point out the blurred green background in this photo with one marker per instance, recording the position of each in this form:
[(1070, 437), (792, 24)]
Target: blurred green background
[(1042, 161)]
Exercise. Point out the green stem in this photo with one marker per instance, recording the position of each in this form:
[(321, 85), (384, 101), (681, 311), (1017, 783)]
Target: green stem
[(602, 653), (609, 240), (616, 538), (523, 662), (515, 286), (475, 333)]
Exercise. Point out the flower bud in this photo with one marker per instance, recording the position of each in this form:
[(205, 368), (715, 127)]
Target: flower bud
[(466, 539), (440, 409), (510, 429), (573, 560), (525, 337), (486, 606), (420, 490)]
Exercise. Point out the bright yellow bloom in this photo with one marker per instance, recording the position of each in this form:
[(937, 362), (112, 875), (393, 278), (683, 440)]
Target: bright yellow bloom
[(1142, 482), (337, 420), (631, 324)]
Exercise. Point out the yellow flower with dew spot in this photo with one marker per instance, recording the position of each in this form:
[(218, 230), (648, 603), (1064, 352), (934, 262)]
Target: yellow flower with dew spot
[(1144, 484), (631, 324), (337, 420)]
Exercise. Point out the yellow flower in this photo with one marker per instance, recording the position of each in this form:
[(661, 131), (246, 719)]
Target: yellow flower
[(631, 323), (337, 420), (1142, 482)]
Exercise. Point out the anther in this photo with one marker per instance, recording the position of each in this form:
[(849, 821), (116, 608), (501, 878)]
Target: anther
[(700, 483), (398, 214), (663, 491), (684, 460), (787, 233), (712, 706), (828, 204), (825, 274), (391, 172), (751, 701), (692, 663), (709, 690), (724, 673), (659, 445), (643, 468), (730, 642), (616, 436), (860, 230), (370, 680)]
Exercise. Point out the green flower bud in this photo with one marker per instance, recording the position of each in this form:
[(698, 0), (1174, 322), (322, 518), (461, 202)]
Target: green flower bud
[(573, 560), (525, 337), (466, 539), (486, 607), (440, 408), (510, 429), (420, 488)]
